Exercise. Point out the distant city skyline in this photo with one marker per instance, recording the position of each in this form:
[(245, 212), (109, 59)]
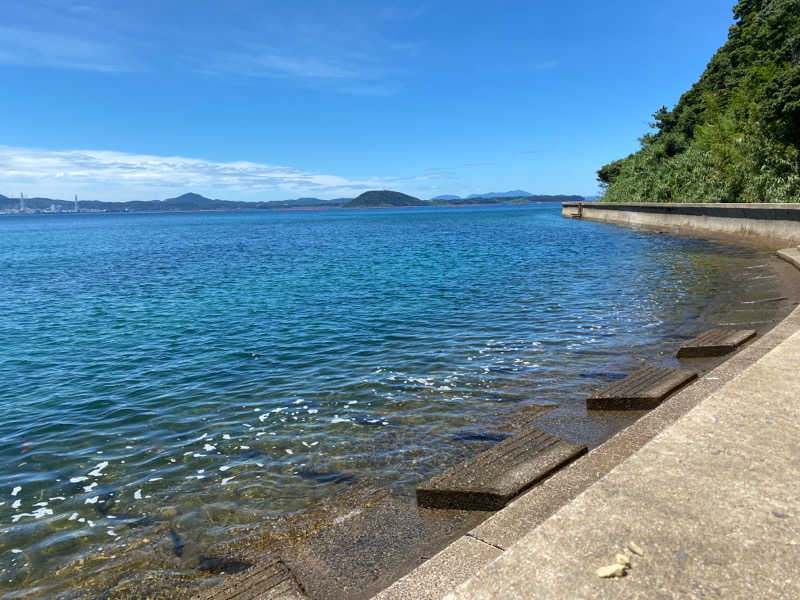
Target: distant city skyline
[(139, 101)]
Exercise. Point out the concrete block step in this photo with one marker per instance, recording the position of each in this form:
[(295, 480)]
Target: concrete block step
[(643, 389), (491, 479), (715, 342)]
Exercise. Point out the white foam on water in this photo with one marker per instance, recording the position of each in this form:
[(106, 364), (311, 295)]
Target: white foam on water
[(73, 516), (92, 500), (16, 490), (209, 447), (244, 447), (98, 470), (57, 498), (90, 487), (16, 503), (137, 495), (225, 468), (155, 479), (338, 419), (289, 451), (227, 479), (225, 436)]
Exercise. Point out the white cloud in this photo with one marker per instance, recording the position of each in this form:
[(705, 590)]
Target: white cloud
[(105, 172)]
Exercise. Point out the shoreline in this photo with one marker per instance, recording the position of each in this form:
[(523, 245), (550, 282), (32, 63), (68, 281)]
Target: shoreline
[(772, 226), (471, 565)]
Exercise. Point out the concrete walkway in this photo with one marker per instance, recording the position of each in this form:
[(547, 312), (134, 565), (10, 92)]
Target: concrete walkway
[(713, 499)]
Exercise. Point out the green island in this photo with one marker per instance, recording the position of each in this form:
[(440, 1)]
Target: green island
[(735, 135)]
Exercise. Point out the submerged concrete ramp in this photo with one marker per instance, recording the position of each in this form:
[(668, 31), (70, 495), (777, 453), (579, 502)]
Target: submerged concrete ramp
[(712, 503), (270, 580)]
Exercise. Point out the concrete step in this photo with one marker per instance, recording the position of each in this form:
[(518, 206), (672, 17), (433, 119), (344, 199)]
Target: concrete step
[(643, 389)]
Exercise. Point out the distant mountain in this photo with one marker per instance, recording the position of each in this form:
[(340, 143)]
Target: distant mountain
[(526, 199), (185, 202), (511, 194), (304, 203), (196, 202), (382, 198)]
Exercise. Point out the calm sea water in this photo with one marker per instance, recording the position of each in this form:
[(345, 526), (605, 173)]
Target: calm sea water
[(215, 370)]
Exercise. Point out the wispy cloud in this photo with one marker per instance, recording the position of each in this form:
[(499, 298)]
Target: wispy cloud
[(346, 49), (29, 47), (99, 169)]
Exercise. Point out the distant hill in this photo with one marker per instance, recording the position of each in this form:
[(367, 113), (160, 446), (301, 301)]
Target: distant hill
[(511, 194), (382, 198), (196, 202), (473, 199), (185, 202)]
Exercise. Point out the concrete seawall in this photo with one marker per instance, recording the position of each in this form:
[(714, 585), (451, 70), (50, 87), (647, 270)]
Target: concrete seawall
[(768, 225)]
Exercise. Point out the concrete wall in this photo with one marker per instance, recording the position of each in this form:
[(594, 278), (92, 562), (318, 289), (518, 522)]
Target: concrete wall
[(772, 225)]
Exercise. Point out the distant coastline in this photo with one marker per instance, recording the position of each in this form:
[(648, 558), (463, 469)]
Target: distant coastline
[(191, 202)]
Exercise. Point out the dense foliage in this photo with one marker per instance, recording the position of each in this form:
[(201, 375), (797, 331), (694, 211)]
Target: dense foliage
[(735, 135)]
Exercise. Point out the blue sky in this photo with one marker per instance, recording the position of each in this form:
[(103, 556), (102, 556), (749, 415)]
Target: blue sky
[(247, 100)]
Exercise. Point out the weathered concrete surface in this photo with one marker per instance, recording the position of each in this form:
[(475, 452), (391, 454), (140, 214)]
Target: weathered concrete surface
[(771, 225), (715, 342), (506, 527), (491, 479), (714, 501), (445, 570), (643, 389)]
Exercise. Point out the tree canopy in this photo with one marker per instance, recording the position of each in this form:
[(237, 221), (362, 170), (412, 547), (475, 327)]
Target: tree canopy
[(735, 135)]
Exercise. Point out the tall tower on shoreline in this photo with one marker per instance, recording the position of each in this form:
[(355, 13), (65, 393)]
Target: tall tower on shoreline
[(76, 203), (21, 202)]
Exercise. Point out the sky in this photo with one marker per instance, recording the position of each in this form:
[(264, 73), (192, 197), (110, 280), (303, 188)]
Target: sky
[(262, 100)]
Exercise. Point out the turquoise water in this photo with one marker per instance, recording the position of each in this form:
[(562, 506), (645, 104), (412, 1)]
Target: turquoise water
[(233, 367)]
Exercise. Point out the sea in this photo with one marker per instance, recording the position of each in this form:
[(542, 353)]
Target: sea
[(185, 376)]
